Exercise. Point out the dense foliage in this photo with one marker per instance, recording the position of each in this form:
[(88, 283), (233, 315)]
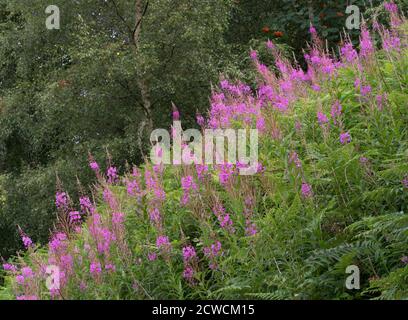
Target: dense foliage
[(331, 191), (95, 84), (288, 21), (91, 86)]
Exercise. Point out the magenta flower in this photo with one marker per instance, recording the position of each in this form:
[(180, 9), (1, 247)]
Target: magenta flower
[(254, 55), (152, 256), (223, 218), (109, 198), (112, 175), (152, 184), (216, 248), (381, 100), (260, 168), (391, 42), (86, 205), (357, 83), (316, 60), (200, 120), (110, 267), (224, 84), (118, 218), (61, 200), (316, 87), (105, 237), (67, 262), (270, 45), (133, 188), (74, 216), (188, 273), (365, 90), (225, 221), (20, 279), (136, 172), (391, 7), (189, 253), (201, 170), (322, 118), (266, 92), (312, 30), (163, 242), (328, 66), (405, 181), (364, 160), (57, 242), (27, 272), (25, 297), (27, 241), (212, 252), (349, 53), (306, 190), (336, 111), (95, 268), (286, 86), (281, 103), (262, 69), (250, 229), (345, 138), (260, 124), (298, 75), (188, 185), (155, 215), (366, 44), (226, 172), (94, 166), (9, 267)]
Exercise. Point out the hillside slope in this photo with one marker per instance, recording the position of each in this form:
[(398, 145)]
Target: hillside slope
[(331, 191)]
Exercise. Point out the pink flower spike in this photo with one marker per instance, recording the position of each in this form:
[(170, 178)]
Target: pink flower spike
[(312, 30), (306, 190), (345, 138), (253, 55), (270, 45), (94, 166)]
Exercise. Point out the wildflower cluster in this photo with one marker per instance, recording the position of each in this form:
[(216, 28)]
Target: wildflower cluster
[(332, 137)]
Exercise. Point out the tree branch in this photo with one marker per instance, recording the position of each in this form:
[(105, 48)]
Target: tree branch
[(117, 12), (139, 14)]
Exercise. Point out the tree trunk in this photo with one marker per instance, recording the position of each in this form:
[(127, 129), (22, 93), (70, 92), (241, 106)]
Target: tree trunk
[(140, 11)]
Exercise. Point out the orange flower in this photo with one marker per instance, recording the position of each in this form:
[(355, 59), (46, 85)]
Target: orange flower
[(278, 34), (265, 29)]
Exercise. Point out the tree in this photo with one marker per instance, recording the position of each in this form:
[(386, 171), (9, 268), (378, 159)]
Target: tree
[(288, 21), (90, 86)]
